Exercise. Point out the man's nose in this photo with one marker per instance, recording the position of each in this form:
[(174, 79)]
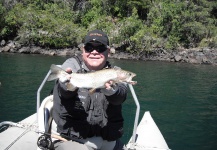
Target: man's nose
[(94, 51)]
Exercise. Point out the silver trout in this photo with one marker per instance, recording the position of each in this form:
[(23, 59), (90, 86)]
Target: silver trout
[(92, 80)]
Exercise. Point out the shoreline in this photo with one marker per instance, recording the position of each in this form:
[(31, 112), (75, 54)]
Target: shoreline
[(194, 55)]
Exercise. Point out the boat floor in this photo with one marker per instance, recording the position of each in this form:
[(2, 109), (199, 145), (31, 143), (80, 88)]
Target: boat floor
[(15, 138), (148, 136)]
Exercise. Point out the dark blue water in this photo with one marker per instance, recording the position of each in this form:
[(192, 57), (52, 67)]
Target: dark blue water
[(182, 98)]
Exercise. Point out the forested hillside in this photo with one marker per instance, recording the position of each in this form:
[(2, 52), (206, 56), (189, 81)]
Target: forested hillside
[(136, 25)]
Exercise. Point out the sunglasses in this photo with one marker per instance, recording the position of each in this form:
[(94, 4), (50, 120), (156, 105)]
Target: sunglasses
[(100, 49)]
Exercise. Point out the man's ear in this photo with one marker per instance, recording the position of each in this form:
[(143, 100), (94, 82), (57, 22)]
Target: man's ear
[(109, 52), (82, 48)]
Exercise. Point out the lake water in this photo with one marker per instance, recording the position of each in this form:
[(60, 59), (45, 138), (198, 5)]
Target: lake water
[(182, 98)]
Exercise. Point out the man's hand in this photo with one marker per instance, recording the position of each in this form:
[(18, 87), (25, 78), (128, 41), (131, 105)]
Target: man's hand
[(69, 70), (110, 88), (69, 86), (108, 85), (68, 77)]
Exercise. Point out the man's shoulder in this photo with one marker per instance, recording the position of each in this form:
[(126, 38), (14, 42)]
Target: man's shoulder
[(76, 57), (73, 62)]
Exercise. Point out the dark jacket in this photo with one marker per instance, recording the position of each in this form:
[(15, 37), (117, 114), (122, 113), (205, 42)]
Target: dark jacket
[(81, 114)]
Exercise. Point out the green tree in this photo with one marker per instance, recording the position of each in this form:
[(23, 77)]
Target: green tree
[(2, 21), (139, 25), (181, 23)]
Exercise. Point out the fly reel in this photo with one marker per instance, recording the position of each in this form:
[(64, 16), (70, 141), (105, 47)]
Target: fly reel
[(44, 142)]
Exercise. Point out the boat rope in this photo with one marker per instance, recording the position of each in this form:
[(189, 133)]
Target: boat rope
[(31, 126)]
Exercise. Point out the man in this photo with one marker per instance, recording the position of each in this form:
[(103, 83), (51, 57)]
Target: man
[(94, 120)]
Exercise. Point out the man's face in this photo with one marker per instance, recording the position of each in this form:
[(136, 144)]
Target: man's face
[(95, 55)]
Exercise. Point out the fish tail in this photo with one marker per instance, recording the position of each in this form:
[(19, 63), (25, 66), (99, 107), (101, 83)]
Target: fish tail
[(52, 77), (55, 72)]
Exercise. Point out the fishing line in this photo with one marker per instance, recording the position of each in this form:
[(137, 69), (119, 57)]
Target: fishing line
[(129, 119)]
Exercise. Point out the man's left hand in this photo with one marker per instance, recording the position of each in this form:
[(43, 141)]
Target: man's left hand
[(108, 85)]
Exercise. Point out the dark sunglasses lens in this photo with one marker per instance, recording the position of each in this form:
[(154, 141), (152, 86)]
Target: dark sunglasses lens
[(99, 49), (88, 48)]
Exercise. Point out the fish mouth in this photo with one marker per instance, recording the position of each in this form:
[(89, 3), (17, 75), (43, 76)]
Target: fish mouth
[(131, 77)]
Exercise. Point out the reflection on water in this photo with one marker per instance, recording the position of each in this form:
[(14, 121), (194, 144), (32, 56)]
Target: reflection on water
[(182, 98)]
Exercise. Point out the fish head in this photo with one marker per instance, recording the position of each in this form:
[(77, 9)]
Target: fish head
[(125, 76)]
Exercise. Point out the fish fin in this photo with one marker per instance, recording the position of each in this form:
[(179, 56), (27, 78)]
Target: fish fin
[(70, 87), (54, 72), (132, 82), (117, 68), (91, 91)]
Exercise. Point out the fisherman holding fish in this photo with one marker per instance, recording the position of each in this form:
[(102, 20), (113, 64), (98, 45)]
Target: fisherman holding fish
[(88, 97)]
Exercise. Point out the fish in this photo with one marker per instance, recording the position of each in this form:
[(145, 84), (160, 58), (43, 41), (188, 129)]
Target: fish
[(91, 80)]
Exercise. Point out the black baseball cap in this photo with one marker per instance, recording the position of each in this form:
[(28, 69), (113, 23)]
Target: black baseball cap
[(96, 36)]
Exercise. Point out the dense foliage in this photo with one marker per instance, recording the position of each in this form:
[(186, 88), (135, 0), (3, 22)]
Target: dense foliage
[(139, 25)]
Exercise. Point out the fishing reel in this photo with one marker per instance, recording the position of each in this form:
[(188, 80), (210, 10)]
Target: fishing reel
[(45, 142)]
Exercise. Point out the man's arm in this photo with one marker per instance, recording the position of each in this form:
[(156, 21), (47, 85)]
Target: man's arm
[(63, 92), (70, 65)]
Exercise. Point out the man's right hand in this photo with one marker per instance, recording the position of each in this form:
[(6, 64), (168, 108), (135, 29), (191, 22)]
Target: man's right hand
[(66, 78), (69, 70)]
